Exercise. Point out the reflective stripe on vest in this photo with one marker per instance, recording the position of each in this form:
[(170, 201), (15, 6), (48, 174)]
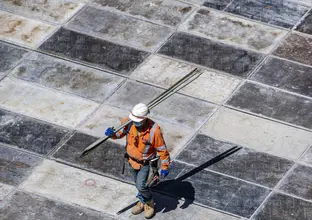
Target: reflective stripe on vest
[(148, 146)]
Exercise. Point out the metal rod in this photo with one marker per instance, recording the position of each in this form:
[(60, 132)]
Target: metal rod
[(166, 94)]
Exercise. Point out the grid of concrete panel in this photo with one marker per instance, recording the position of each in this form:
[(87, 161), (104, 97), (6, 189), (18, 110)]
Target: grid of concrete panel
[(71, 68)]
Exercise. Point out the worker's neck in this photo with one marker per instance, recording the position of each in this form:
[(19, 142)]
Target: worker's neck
[(142, 128)]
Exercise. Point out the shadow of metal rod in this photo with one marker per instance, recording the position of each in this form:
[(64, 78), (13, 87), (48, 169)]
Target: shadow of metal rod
[(209, 163)]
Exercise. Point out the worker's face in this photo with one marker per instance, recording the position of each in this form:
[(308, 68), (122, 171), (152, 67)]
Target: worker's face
[(139, 124)]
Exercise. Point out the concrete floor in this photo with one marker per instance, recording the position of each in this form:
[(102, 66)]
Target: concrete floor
[(71, 68)]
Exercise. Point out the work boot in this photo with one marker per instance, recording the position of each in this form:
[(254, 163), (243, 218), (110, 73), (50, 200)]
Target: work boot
[(138, 208), (149, 210)]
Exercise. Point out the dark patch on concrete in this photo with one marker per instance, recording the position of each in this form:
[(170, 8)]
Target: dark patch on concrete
[(282, 207), (96, 52), (65, 76), (298, 182), (281, 13), (285, 75), (15, 165), (166, 12), (217, 4), (273, 103), (247, 164), (297, 48), (219, 192), (29, 206), (208, 53), (306, 25), (29, 134), (107, 158), (9, 57)]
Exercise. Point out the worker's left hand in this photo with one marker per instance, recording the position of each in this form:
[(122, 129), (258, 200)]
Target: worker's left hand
[(164, 173)]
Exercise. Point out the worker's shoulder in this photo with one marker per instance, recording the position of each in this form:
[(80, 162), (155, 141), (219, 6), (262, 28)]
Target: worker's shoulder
[(157, 126)]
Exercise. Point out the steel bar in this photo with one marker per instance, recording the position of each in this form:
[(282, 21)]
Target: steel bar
[(166, 94)]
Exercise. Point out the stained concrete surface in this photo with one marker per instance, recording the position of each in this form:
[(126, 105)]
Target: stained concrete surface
[(51, 11), (83, 188), (246, 164), (217, 4), (42, 103), (71, 80), (23, 31), (210, 54), (263, 135), (165, 11), (96, 52), (16, 165), (66, 76), (233, 30), (285, 75), (296, 47), (283, 207), (126, 30), (29, 134), (305, 26), (9, 57), (298, 182), (281, 13), (273, 103), (28, 206)]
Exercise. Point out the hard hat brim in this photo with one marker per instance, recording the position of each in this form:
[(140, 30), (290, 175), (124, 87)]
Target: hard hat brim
[(136, 119)]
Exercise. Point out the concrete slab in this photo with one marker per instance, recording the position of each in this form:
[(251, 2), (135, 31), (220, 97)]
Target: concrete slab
[(34, 101), (297, 48), (169, 208), (10, 56), (285, 75), (29, 134), (217, 191), (72, 185), (305, 26), (169, 12), (51, 11), (107, 116), (233, 30), (126, 30), (5, 190), (161, 71), (263, 100), (217, 4), (281, 13), (66, 76), (258, 133), (246, 164), (307, 157), (211, 54), (16, 165), (93, 51), (298, 182), (212, 87), (23, 31), (177, 109), (28, 206), (283, 207)]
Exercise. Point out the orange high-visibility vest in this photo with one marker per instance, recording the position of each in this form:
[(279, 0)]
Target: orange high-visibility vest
[(145, 145)]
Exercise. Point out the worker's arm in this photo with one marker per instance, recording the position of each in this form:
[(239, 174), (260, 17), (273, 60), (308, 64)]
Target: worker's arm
[(160, 146), (121, 133)]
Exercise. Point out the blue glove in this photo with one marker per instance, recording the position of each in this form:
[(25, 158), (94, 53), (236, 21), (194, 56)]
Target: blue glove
[(109, 132), (164, 173)]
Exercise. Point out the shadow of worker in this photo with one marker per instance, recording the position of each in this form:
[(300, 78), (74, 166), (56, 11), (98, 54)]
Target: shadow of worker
[(180, 188)]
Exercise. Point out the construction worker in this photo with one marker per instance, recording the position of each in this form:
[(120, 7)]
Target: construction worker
[(144, 142)]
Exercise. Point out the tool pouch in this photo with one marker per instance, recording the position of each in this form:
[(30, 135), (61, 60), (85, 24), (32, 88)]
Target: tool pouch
[(153, 175)]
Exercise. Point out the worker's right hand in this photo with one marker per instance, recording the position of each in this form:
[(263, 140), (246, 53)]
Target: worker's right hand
[(109, 132)]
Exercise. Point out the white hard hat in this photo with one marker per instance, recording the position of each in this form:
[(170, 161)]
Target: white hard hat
[(139, 112)]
